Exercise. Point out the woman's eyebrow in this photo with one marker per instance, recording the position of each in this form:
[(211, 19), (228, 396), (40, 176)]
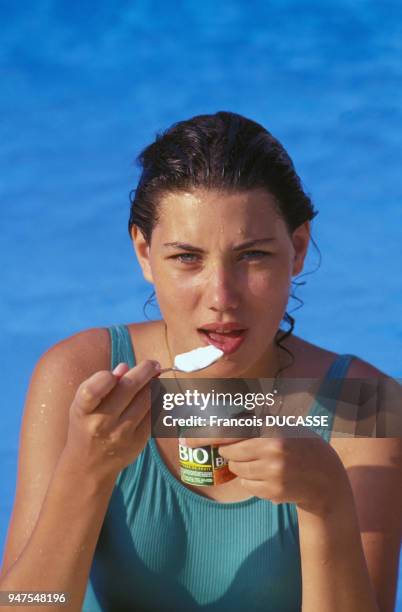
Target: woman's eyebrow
[(250, 243), (243, 245), (182, 245)]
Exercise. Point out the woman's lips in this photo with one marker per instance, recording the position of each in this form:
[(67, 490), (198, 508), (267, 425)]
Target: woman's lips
[(228, 343)]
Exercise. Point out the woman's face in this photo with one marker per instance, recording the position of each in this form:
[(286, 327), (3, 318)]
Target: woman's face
[(219, 258)]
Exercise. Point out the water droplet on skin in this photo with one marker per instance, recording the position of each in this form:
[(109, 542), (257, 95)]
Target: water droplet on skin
[(36, 481), (43, 405)]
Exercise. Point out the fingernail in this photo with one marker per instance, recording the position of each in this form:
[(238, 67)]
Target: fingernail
[(182, 441), (119, 369), (157, 365)]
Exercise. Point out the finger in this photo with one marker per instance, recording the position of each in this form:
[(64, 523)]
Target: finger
[(255, 487), (254, 470), (139, 424), (128, 387), (93, 390), (197, 442), (121, 369), (138, 434), (260, 488), (143, 431), (138, 407), (244, 450)]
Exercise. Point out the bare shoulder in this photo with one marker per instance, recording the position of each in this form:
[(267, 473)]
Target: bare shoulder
[(82, 352), (362, 369), (310, 355), (314, 361), (53, 384), (386, 393), (63, 367)]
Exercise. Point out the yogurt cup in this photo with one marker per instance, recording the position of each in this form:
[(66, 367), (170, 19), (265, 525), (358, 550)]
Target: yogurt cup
[(204, 466)]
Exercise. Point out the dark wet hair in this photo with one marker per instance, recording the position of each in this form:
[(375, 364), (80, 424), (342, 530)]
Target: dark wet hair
[(224, 151)]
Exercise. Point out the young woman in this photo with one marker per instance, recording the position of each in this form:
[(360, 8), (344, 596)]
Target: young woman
[(220, 225)]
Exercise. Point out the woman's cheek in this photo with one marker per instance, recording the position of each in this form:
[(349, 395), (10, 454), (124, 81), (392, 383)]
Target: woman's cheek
[(173, 287), (270, 284), (270, 294)]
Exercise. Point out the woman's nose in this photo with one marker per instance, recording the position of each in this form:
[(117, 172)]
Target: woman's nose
[(222, 291)]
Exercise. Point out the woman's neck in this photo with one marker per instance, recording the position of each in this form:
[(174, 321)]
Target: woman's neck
[(269, 365)]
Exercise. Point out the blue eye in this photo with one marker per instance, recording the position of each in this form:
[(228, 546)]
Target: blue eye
[(190, 258), (256, 254), (185, 257)]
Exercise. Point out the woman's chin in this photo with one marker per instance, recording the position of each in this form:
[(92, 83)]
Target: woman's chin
[(226, 367)]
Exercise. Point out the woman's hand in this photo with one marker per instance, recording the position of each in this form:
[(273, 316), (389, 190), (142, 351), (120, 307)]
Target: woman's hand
[(305, 471), (109, 420)]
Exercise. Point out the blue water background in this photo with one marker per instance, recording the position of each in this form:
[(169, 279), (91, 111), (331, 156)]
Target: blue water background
[(84, 86)]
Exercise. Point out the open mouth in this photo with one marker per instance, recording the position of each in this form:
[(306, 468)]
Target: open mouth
[(228, 342)]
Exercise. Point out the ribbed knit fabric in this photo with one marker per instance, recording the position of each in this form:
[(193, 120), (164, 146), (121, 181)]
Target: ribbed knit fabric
[(164, 548)]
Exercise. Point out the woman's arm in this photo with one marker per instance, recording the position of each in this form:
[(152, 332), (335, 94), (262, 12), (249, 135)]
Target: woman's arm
[(334, 571), (106, 428), (68, 464), (350, 556), (339, 496), (58, 508), (59, 553)]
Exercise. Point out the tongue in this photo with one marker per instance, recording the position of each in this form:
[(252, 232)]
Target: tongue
[(226, 342), (221, 337)]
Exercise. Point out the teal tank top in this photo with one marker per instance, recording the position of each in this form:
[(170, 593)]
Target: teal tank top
[(164, 548)]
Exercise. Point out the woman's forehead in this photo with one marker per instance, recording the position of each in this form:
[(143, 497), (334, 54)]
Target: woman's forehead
[(209, 208)]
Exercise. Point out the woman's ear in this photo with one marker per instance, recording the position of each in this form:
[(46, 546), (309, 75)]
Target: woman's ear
[(141, 248), (300, 240)]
